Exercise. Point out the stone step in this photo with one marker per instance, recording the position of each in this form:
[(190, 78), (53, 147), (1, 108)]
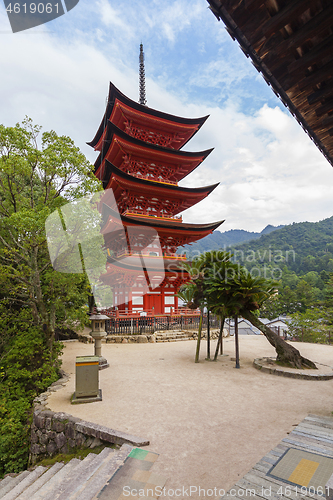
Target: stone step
[(5, 481), (14, 481), (166, 337), (77, 480), (43, 479), (24, 484), (83, 473), (74, 472), (106, 471), (173, 334), (172, 339), (49, 490)]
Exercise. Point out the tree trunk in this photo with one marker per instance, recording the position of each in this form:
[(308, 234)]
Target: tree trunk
[(91, 303), (286, 353), (236, 343), (220, 340), (208, 337), (199, 338)]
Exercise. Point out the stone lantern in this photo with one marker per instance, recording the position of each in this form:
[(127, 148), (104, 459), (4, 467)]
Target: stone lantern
[(98, 333)]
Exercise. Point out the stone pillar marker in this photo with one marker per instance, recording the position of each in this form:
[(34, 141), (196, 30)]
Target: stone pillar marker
[(98, 333)]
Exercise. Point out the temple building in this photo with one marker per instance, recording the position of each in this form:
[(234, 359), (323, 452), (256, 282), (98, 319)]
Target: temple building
[(141, 162)]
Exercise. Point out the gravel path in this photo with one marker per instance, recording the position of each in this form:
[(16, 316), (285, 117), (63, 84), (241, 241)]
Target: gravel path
[(209, 422)]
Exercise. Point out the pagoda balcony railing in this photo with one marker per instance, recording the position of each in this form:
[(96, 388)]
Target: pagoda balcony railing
[(148, 213), (132, 324), (127, 253), (161, 181)]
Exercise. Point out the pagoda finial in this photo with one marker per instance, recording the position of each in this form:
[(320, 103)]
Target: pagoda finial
[(142, 99)]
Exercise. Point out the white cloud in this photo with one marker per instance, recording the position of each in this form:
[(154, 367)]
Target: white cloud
[(112, 17), (269, 170)]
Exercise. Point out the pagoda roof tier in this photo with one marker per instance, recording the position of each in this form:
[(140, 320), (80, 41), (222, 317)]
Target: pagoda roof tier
[(172, 234), (132, 193), (145, 160), (145, 123), (124, 274)]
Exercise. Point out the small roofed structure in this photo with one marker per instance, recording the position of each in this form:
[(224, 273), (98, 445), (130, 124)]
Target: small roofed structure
[(290, 42)]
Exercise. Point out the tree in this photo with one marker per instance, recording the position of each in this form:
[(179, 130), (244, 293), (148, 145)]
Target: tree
[(38, 174), (310, 326), (248, 294), (194, 292)]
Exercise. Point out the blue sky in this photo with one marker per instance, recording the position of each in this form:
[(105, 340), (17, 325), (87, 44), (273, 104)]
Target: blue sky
[(58, 74)]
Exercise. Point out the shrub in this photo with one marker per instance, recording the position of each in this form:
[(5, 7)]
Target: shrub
[(26, 370)]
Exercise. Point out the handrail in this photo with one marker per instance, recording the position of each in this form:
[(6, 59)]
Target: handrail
[(150, 214)]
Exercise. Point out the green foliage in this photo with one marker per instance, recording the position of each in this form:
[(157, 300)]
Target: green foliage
[(15, 433), (26, 369), (310, 326), (301, 247), (299, 256), (222, 240), (237, 291), (39, 172), (194, 292)]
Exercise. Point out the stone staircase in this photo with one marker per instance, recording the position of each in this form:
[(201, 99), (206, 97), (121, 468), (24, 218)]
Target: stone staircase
[(78, 479), (173, 336)]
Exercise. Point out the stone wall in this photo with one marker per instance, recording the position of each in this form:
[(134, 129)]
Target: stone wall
[(130, 339), (142, 339), (53, 433)]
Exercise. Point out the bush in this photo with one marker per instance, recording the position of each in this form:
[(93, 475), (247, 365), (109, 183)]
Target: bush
[(26, 370)]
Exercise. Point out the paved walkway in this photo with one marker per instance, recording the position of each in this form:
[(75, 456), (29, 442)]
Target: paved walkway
[(209, 422), (298, 467)]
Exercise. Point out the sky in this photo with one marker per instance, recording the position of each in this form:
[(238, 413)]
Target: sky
[(58, 74)]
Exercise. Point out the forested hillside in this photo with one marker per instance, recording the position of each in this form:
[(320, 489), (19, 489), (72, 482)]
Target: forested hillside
[(301, 247), (221, 240), (299, 257)]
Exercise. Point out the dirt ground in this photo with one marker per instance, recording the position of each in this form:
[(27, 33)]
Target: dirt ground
[(209, 422)]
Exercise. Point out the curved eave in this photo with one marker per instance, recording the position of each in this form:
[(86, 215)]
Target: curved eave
[(170, 225), (128, 267), (158, 188), (115, 93), (148, 149)]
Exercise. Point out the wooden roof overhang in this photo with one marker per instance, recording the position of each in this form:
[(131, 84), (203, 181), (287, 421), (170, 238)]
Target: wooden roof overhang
[(171, 234), (135, 193), (122, 273), (122, 151), (124, 112), (291, 43)]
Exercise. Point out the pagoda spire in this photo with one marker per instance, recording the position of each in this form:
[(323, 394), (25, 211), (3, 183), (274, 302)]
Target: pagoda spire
[(142, 99)]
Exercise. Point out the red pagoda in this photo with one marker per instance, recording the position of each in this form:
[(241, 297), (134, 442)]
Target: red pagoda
[(140, 163)]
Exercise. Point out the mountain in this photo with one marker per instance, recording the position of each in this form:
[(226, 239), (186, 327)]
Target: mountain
[(302, 247), (218, 240)]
